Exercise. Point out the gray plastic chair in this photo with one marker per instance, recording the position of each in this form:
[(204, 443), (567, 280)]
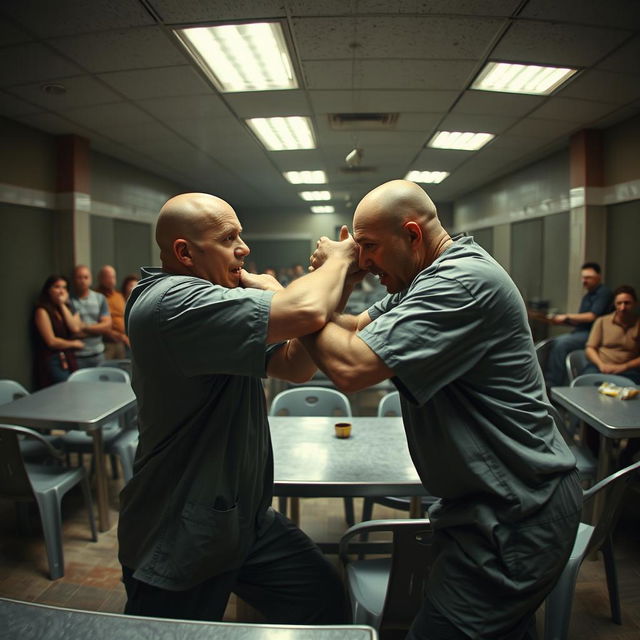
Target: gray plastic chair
[(118, 442), (32, 450), (590, 537), (575, 362), (313, 401), (596, 379), (386, 593), (124, 364), (389, 406), (43, 484), (543, 348)]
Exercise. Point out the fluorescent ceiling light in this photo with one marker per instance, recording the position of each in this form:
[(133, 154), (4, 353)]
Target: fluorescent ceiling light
[(241, 57), (313, 196), (464, 140), (427, 177), (283, 134), (322, 209), (306, 177), (521, 78)]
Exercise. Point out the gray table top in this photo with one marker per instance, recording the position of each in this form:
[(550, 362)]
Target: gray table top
[(612, 417), (28, 621), (310, 461), (82, 405)]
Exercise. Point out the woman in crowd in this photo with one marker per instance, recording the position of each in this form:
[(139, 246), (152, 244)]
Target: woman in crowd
[(614, 342), (128, 283), (55, 325)]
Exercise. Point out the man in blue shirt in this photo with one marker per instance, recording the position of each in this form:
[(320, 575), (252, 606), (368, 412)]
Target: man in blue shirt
[(596, 302), (453, 336)]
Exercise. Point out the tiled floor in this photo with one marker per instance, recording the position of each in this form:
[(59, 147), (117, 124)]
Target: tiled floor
[(92, 572)]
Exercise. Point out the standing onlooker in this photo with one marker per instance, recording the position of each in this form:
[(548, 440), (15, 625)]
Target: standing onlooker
[(116, 341), (127, 285), (595, 302), (55, 325), (94, 314)]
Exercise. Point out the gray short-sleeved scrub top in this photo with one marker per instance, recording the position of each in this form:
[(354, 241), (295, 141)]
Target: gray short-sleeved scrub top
[(203, 475), (480, 435)]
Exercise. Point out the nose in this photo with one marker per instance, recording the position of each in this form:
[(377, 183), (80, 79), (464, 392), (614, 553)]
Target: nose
[(242, 249)]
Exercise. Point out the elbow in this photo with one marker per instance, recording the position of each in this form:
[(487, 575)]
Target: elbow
[(346, 379), (310, 321)]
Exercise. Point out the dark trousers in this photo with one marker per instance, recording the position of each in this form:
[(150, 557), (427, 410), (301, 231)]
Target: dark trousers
[(285, 576)]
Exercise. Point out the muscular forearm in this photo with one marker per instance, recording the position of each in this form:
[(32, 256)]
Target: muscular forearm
[(71, 320), (580, 318), (292, 362), (99, 328)]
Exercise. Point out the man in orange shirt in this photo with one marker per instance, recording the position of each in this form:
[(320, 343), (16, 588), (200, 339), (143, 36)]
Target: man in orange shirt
[(116, 342)]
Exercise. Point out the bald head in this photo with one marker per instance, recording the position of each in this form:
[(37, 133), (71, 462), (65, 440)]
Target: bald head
[(107, 277), (188, 216)]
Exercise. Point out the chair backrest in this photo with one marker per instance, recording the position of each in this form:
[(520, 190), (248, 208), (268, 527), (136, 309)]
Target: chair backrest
[(543, 348), (99, 374), (612, 489), (14, 478), (311, 401), (389, 405), (596, 379), (11, 390), (575, 362), (124, 364)]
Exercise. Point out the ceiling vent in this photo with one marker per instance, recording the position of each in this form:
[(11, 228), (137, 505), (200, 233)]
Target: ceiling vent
[(363, 121)]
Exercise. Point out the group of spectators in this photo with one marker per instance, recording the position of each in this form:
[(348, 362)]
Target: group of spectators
[(82, 328), (607, 327)]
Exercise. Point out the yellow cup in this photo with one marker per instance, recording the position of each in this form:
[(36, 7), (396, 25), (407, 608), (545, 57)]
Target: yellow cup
[(343, 429)]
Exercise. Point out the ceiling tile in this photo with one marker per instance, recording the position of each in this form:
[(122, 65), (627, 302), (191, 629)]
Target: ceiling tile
[(118, 50), (381, 101), (578, 111), (65, 17), (481, 123), (564, 44), (81, 91), (54, 124), (11, 106), (150, 83), (616, 88), (32, 62), (304, 159), (106, 116), (187, 11), (625, 59), (440, 159), (265, 104), (612, 13), (137, 135), (492, 102), (405, 37), (185, 107), (538, 128), (389, 74), (12, 34)]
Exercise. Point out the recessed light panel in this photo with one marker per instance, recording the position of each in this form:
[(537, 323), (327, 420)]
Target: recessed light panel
[(463, 140), (427, 177), (313, 196), (306, 177), (521, 78), (241, 57), (283, 134), (322, 209)]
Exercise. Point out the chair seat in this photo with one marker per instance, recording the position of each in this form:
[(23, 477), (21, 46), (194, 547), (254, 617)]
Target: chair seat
[(368, 583), (34, 450), (49, 477), (83, 440)]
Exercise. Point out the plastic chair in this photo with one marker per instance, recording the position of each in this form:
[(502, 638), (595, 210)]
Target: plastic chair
[(589, 538), (43, 484), (118, 442), (543, 348), (575, 362), (386, 593), (124, 364), (596, 379), (389, 406), (313, 401), (32, 450)]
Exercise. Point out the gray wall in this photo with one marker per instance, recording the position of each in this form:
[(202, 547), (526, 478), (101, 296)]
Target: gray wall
[(623, 245)]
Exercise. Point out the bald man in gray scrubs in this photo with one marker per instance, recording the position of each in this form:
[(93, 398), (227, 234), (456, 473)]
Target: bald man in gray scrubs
[(195, 521), (453, 336)]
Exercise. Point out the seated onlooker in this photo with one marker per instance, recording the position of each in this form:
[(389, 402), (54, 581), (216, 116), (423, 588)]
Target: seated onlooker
[(95, 318), (55, 325), (613, 345), (127, 285), (115, 339)]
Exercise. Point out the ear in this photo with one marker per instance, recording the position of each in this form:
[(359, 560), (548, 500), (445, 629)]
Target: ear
[(181, 252), (414, 230)]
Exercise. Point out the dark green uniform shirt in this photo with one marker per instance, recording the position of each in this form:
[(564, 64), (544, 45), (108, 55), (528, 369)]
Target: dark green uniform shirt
[(203, 474)]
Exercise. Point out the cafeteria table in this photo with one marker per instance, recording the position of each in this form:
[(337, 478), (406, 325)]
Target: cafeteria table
[(79, 405), (611, 417), (311, 462), (29, 621)]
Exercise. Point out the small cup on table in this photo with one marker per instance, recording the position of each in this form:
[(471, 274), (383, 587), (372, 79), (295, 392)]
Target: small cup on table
[(343, 429)]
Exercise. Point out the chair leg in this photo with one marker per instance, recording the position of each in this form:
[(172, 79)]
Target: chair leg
[(282, 505), (612, 580), (51, 518), (114, 467), (86, 492), (367, 509), (557, 614), (348, 511)]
